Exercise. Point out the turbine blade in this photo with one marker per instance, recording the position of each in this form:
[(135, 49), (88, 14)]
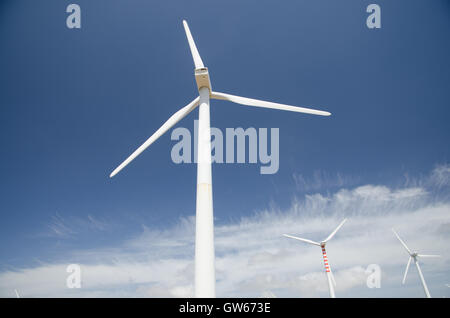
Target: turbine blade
[(175, 118), (406, 271), (332, 277), (403, 243), (302, 239), (260, 103), (195, 55), (425, 255), (334, 232)]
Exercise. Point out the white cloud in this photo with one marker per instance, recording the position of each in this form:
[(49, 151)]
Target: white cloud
[(253, 259), (440, 176)]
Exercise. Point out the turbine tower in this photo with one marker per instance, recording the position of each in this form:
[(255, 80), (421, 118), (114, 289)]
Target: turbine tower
[(330, 277), (204, 227), (414, 256)]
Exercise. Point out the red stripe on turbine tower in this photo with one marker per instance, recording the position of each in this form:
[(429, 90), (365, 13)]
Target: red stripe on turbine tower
[(325, 259)]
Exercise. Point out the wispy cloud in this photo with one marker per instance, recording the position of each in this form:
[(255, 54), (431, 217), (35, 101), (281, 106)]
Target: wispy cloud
[(253, 259), (59, 227), (323, 180), (68, 227)]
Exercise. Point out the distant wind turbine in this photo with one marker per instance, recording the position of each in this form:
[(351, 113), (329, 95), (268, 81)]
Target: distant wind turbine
[(414, 256), (204, 228), (330, 277)]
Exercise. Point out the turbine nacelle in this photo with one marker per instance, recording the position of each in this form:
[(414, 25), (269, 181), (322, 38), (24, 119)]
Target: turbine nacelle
[(202, 78)]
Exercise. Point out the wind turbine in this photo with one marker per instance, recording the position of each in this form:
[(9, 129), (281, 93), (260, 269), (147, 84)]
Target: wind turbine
[(414, 256), (204, 227), (330, 277)]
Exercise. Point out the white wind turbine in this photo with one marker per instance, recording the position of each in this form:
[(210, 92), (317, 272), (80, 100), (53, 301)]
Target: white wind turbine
[(330, 277), (414, 256), (204, 227)]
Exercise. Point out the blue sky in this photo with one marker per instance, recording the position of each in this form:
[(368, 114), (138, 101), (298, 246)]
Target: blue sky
[(75, 103)]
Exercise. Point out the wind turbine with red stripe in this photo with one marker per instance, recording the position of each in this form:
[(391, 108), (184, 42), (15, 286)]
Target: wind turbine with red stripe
[(414, 256), (330, 277)]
